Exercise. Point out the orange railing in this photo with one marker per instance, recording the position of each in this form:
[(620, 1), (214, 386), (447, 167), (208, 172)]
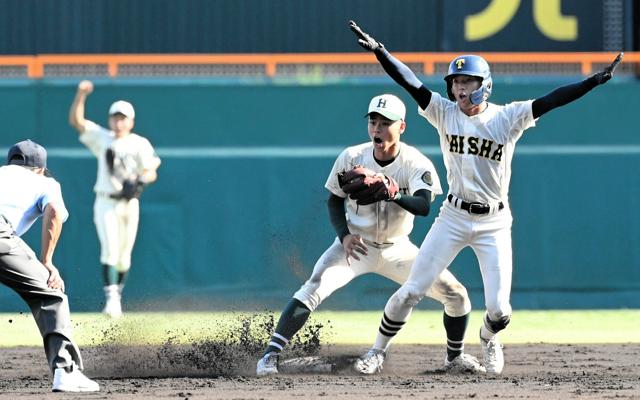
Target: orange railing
[(35, 65)]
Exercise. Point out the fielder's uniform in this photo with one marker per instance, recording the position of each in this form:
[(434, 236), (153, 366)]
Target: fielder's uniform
[(385, 228), (477, 153), (24, 195), (116, 219)]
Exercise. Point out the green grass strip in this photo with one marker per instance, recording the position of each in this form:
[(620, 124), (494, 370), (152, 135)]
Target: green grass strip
[(358, 328)]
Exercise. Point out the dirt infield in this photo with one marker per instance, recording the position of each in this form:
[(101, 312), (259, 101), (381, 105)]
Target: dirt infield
[(536, 371)]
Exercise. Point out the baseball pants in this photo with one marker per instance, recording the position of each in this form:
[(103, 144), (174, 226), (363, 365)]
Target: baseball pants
[(490, 238), (332, 272), (117, 225), (21, 270)]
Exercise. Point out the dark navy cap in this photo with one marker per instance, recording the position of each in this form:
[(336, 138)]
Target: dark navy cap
[(28, 154)]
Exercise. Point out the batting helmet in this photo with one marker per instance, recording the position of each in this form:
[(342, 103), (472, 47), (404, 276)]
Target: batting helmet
[(473, 66)]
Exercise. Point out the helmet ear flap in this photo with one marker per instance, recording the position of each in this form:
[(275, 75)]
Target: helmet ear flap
[(481, 94)]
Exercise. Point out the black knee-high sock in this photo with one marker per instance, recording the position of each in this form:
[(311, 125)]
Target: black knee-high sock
[(293, 318), (456, 328), (122, 277), (109, 275)]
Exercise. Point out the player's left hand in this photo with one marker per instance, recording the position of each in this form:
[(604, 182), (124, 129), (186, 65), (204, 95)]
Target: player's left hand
[(364, 39), (606, 74), (366, 186), (131, 188)]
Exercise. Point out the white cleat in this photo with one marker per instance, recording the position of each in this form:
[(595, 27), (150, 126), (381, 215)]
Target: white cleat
[(113, 308), (493, 356), (74, 381), (112, 305), (268, 364), (370, 363), (464, 363)]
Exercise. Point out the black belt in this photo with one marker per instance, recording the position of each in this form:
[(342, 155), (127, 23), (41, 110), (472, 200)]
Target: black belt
[(118, 196), (377, 245), (474, 208)]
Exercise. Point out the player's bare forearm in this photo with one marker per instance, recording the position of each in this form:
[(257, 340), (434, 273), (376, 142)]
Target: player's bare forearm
[(51, 228), (76, 111), (418, 204)]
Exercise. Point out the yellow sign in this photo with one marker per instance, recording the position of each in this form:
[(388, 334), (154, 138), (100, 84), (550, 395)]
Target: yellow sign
[(547, 15)]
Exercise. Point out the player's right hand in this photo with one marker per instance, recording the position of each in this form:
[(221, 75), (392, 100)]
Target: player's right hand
[(85, 87), (353, 244), (364, 39), (55, 280)]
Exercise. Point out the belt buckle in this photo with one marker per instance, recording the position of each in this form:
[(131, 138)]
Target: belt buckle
[(480, 208)]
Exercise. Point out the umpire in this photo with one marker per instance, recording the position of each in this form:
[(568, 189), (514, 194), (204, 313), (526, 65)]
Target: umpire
[(27, 191)]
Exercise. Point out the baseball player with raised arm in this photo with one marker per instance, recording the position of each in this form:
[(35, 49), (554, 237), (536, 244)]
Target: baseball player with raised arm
[(27, 192), (382, 183), (126, 164), (477, 139)]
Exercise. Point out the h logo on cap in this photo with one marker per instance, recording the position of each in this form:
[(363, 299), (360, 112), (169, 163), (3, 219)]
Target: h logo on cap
[(387, 105)]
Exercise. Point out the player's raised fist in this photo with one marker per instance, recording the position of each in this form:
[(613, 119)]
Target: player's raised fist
[(85, 87), (364, 39)]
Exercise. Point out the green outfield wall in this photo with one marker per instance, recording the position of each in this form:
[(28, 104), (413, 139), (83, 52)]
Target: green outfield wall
[(238, 216)]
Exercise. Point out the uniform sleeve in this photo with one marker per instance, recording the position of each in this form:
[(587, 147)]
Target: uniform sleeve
[(148, 159), (520, 114), (53, 194), (340, 165), (94, 137), (434, 113), (424, 176)]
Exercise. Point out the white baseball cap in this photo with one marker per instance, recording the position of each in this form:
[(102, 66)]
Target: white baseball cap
[(389, 106), (122, 107)]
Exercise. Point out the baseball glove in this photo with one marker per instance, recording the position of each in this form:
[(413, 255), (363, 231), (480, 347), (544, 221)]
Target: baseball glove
[(131, 189), (366, 186)]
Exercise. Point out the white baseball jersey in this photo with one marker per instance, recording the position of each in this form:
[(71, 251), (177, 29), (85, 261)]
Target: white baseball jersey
[(117, 220), (478, 150), (387, 226), (384, 222), (22, 207), (477, 153), (132, 155)]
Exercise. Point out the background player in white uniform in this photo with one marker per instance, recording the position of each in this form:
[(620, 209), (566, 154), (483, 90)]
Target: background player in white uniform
[(477, 139), (375, 238), (126, 162), (27, 192)]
